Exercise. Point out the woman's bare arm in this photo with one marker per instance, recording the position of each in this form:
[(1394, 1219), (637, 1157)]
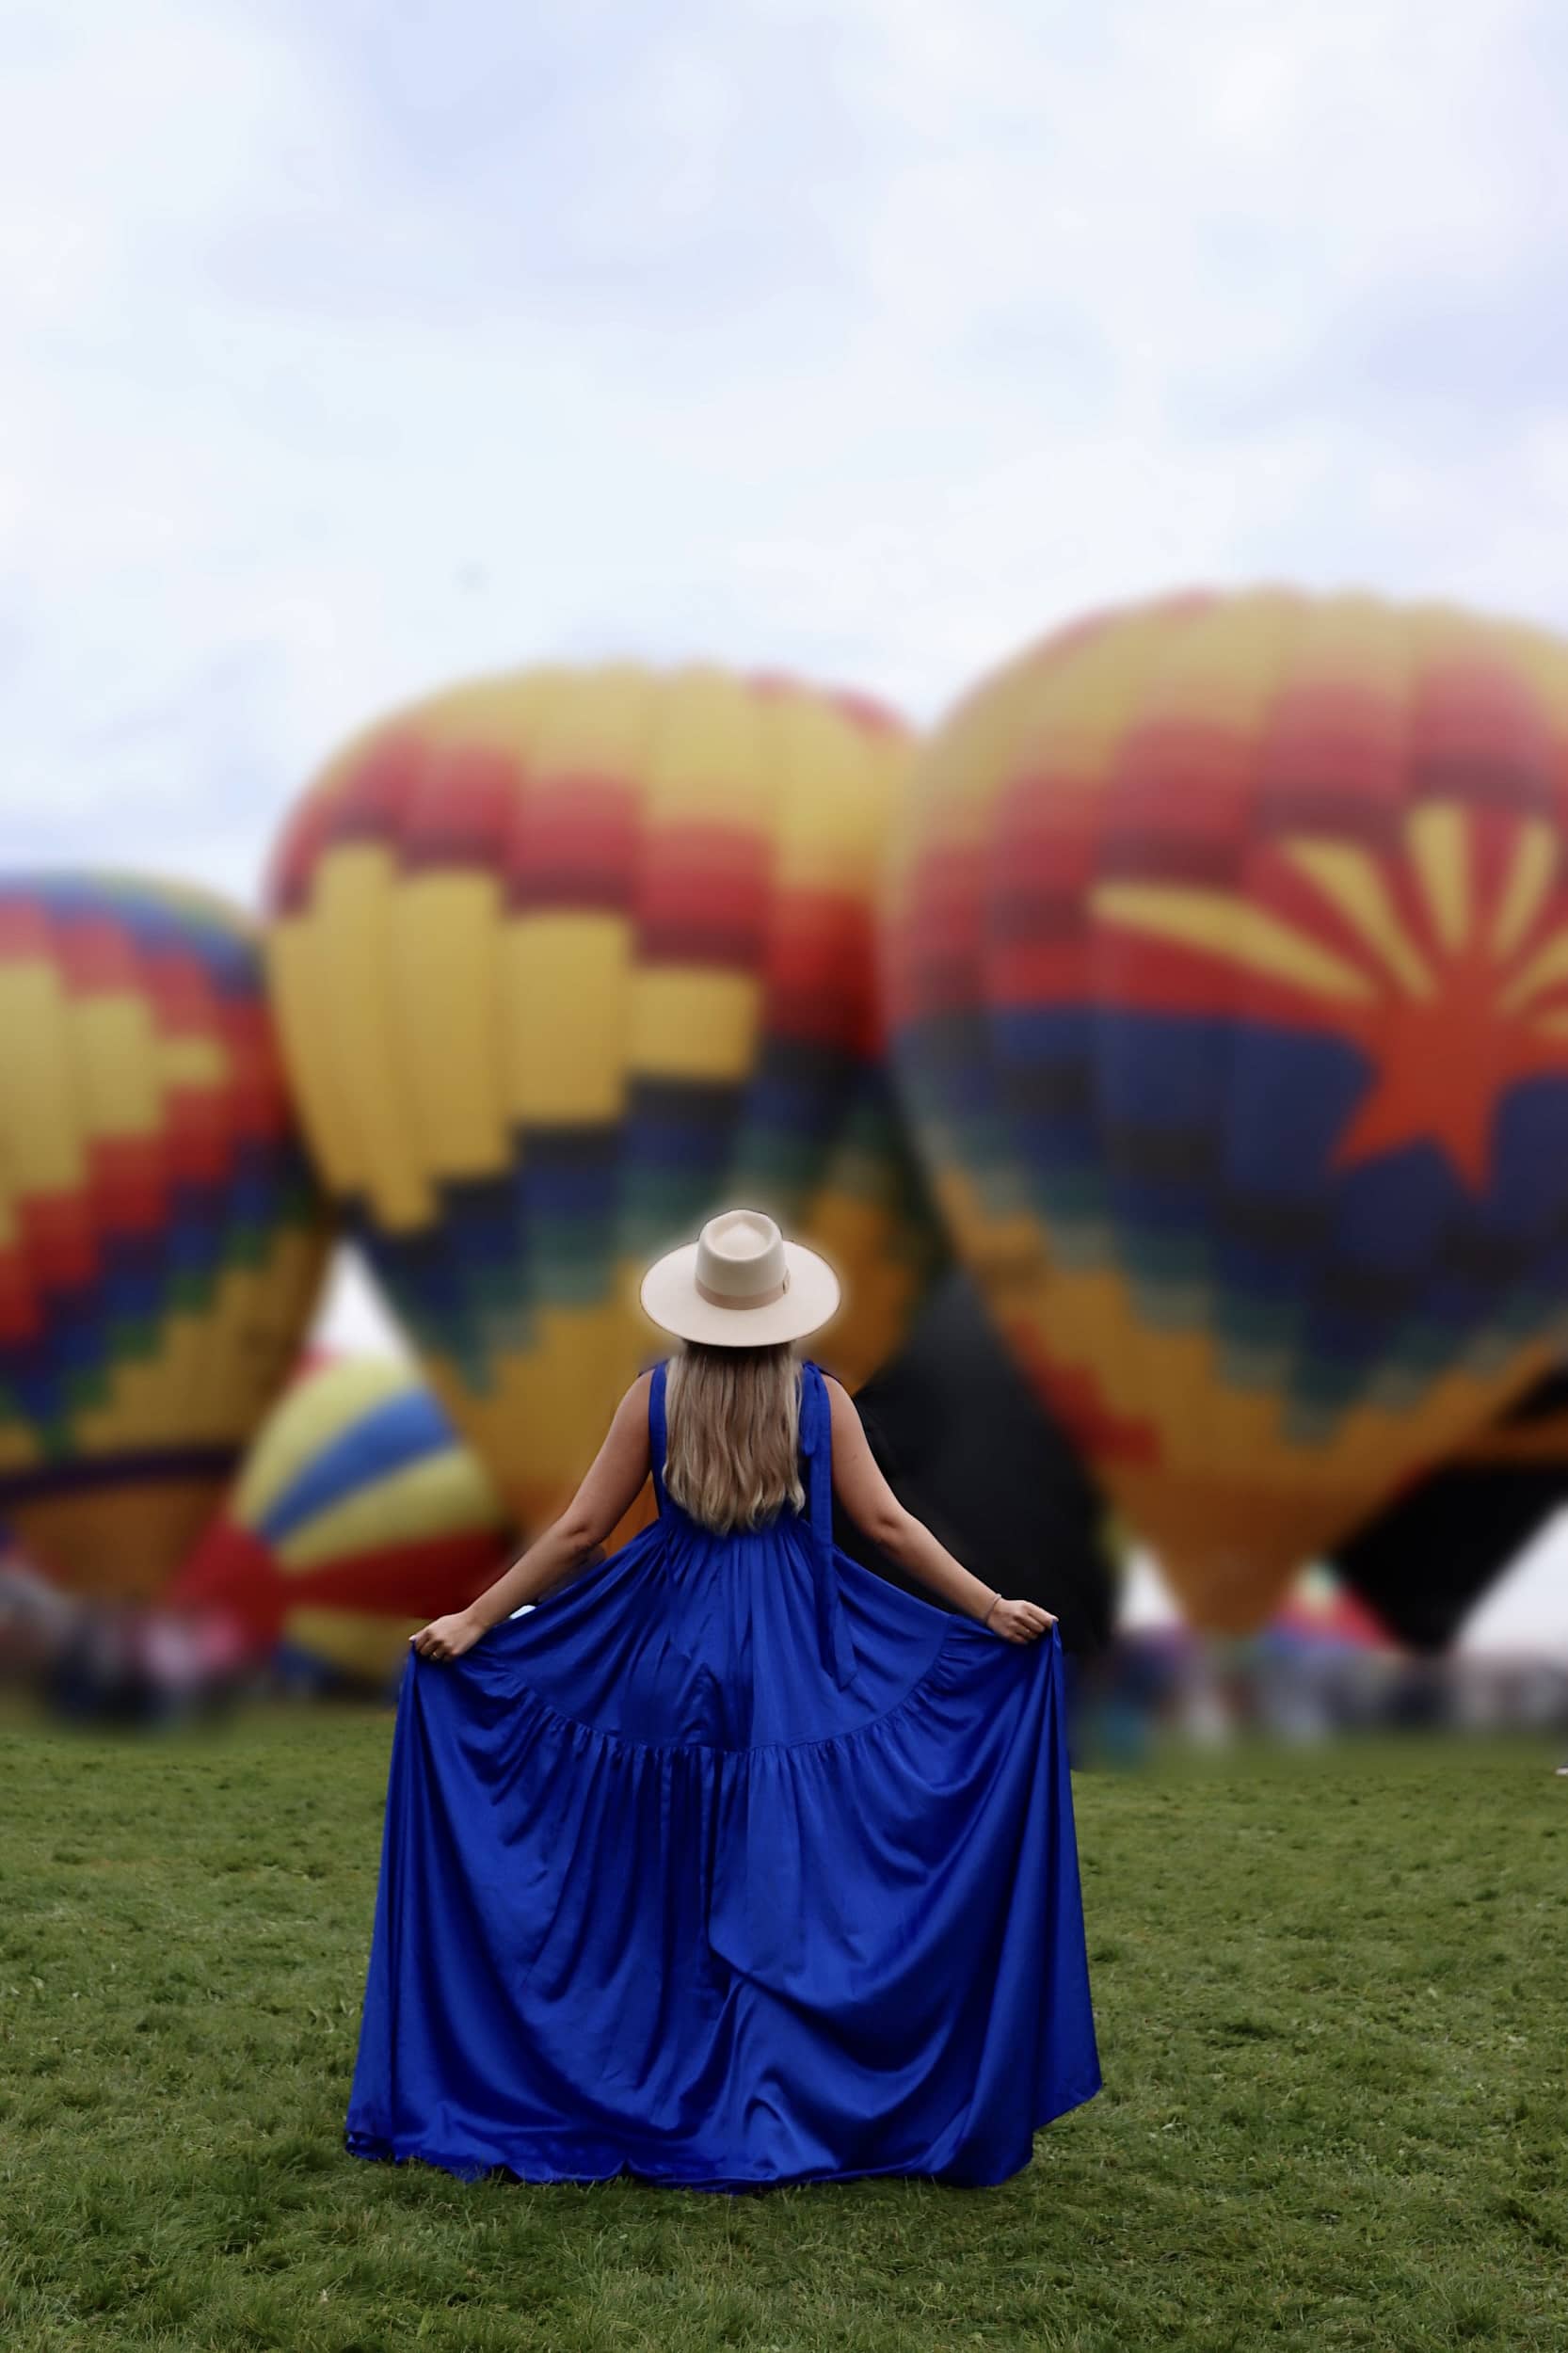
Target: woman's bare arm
[(606, 1494), (878, 1512)]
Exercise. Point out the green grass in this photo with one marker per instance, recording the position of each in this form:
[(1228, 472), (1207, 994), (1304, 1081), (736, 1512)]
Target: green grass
[(1332, 2003)]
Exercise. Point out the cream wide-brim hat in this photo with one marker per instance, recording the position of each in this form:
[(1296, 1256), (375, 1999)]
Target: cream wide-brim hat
[(739, 1285)]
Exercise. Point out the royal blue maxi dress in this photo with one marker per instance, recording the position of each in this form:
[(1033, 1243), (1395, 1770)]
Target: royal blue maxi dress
[(730, 1864)]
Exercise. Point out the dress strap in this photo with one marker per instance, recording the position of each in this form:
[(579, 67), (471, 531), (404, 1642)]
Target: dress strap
[(816, 1447), (657, 1434), (834, 1644)]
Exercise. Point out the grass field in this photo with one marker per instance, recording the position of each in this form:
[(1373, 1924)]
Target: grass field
[(1332, 1998)]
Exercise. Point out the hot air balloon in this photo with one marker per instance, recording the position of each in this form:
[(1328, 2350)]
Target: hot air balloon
[(1227, 956), (565, 962), (1425, 1561), (161, 1236), (1320, 1611), (966, 1446), (359, 1516)]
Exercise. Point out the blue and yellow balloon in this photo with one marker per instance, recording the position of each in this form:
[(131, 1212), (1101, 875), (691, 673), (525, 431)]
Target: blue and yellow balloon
[(359, 1516)]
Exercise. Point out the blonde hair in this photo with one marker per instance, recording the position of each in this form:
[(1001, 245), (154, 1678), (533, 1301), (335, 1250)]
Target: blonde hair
[(732, 1434)]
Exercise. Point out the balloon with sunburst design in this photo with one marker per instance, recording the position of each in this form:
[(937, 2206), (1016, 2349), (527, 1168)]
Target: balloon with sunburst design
[(1227, 950)]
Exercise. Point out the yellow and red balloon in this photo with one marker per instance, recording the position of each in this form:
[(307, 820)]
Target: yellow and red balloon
[(161, 1236), (564, 961), (1228, 952)]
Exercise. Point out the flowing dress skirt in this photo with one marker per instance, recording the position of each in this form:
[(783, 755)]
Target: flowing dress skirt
[(729, 1865)]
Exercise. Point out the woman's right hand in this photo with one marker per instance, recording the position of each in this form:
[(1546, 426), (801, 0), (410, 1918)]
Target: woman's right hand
[(447, 1638), (1019, 1621)]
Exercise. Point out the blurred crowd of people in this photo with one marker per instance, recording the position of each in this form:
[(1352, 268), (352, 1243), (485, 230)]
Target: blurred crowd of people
[(1149, 1687), (116, 1663)]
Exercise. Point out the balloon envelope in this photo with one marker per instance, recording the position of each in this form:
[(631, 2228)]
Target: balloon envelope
[(1425, 1561), (161, 1238), (1320, 1613), (1228, 952), (565, 962), (968, 1449), (358, 1517)]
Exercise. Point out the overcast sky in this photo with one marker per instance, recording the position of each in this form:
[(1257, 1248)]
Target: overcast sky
[(346, 346)]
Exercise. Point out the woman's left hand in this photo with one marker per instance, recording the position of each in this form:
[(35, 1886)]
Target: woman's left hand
[(446, 1638), (1019, 1621)]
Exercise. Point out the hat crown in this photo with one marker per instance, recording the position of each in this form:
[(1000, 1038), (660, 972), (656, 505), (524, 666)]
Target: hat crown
[(740, 1257)]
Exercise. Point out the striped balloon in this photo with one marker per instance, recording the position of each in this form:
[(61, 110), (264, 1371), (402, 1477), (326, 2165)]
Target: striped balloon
[(1228, 958), (565, 962), (161, 1237), (360, 1516)]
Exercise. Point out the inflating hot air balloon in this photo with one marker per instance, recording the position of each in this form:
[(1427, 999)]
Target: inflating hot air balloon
[(1227, 950), (564, 961), (359, 1516), (1427, 1559), (161, 1237), (965, 1444)]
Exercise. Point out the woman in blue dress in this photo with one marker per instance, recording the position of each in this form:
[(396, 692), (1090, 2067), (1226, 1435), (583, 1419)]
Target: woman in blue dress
[(730, 1863)]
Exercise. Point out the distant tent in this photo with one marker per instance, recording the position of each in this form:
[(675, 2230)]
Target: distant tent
[(966, 1446)]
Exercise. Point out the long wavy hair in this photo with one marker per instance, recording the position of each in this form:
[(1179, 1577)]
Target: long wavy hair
[(732, 1422)]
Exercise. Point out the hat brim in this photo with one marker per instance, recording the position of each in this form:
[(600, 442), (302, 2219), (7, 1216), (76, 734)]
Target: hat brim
[(671, 1300)]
